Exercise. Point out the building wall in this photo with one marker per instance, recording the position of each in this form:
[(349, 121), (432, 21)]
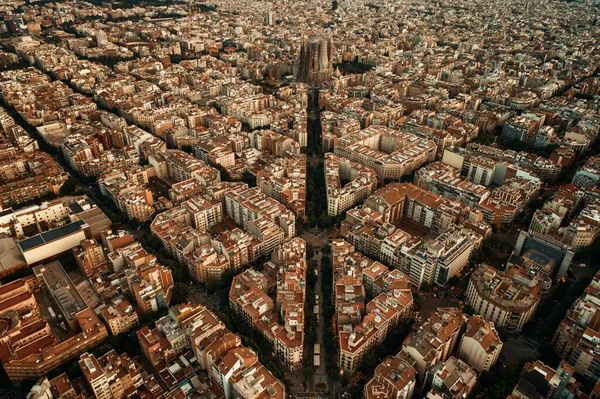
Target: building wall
[(472, 352), (500, 316), (53, 248)]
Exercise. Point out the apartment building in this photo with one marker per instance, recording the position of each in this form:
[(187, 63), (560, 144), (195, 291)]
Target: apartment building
[(507, 299), (58, 387), (480, 345), (284, 179), (348, 183), (180, 166), (129, 192), (245, 205), (545, 168), (90, 258), (180, 330), (184, 190), (481, 171), (383, 314), (30, 350), (365, 229), (140, 275), (521, 128), (566, 201), (445, 180), (184, 231), (395, 377), (580, 234), (509, 200), (349, 299), (409, 203), (119, 316), (486, 165), (273, 143), (110, 376), (390, 153), (256, 381), (215, 152), (204, 214), (577, 337), (538, 379), (26, 176), (435, 340), (452, 379), (377, 279), (443, 258), (545, 221), (193, 332), (589, 173), (281, 322), (443, 129), (86, 154)]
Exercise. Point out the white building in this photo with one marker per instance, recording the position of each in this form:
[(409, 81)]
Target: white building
[(442, 259), (509, 299), (54, 242), (480, 345)]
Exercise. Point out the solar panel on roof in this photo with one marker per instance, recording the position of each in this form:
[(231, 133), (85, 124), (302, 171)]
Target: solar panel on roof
[(75, 207), (51, 235), (62, 231), (31, 242)]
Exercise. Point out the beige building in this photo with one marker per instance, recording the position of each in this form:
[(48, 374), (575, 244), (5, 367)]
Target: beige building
[(452, 379), (580, 234), (119, 316), (407, 202), (545, 221), (384, 313), (390, 153), (54, 242), (394, 378), (443, 258), (509, 300), (281, 323), (480, 345), (577, 336), (481, 171), (94, 376), (348, 183), (435, 340), (110, 376)]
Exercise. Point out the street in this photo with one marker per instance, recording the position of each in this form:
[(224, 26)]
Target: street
[(319, 381), (430, 304), (317, 240), (319, 384), (197, 295)]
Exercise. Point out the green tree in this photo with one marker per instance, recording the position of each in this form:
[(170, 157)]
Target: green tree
[(497, 383), (468, 309), (225, 175), (249, 179), (180, 294), (310, 252), (68, 187)]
